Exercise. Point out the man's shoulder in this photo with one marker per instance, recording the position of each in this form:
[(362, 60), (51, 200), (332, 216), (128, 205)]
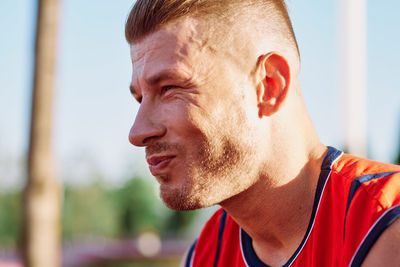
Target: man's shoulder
[(380, 181), (354, 167)]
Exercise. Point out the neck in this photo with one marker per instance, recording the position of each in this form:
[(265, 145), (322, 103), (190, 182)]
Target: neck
[(282, 204)]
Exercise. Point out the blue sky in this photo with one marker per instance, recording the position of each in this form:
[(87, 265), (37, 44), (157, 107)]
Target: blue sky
[(94, 110)]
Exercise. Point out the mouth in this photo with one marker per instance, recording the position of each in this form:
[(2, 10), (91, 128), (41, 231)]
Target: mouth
[(158, 164)]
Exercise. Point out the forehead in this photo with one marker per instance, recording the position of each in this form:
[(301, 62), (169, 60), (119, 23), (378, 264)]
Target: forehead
[(173, 46)]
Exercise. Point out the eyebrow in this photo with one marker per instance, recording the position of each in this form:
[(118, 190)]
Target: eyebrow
[(158, 77), (164, 75)]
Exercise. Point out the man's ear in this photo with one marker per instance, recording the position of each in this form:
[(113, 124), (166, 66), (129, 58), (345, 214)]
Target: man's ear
[(274, 78)]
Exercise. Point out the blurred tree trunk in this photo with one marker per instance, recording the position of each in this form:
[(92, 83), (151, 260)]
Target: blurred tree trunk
[(42, 193)]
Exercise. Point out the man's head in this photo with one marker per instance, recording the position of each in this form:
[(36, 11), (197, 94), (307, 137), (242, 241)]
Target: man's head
[(209, 75)]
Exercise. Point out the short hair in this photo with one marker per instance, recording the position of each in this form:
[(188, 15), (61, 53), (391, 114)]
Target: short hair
[(148, 16)]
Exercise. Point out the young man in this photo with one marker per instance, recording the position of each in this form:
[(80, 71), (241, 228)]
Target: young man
[(223, 122)]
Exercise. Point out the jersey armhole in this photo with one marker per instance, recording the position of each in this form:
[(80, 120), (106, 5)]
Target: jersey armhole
[(386, 219), (190, 255)]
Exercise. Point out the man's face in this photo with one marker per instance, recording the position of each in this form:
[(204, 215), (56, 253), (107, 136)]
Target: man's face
[(195, 118)]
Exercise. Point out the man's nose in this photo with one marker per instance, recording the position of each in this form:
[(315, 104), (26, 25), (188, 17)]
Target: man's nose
[(146, 127)]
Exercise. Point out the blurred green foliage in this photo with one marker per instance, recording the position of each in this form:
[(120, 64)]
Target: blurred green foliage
[(97, 210), (138, 206), (10, 218), (88, 211)]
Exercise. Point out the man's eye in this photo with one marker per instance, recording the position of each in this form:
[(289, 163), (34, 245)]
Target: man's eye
[(167, 88)]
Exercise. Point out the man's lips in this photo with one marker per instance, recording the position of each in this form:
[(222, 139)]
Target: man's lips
[(158, 163)]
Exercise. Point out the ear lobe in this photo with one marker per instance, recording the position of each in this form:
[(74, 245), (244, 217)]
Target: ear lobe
[(274, 80)]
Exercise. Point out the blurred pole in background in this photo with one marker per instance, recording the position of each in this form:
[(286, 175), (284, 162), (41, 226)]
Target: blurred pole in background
[(353, 74), (42, 193)]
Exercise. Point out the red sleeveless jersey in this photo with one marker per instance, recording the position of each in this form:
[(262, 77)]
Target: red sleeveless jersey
[(355, 201)]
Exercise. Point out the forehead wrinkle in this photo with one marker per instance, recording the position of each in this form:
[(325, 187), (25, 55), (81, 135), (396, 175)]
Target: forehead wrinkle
[(188, 41), (140, 51)]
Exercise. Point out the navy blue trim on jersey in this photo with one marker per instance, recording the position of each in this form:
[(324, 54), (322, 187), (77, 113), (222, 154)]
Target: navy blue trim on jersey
[(355, 185), (249, 254), (331, 156), (190, 254), (383, 222), (220, 235)]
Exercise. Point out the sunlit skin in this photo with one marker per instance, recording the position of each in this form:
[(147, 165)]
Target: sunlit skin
[(227, 125), (192, 120)]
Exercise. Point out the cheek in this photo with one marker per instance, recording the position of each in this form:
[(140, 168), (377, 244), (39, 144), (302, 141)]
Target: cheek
[(201, 117), (180, 119)]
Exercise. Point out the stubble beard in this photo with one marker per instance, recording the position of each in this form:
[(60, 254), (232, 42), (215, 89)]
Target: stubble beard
[(214, 174)]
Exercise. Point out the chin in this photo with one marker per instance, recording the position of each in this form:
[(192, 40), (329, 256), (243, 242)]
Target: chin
[(177, 202), (180, 199)]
